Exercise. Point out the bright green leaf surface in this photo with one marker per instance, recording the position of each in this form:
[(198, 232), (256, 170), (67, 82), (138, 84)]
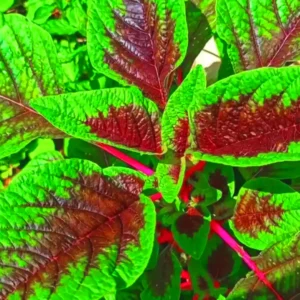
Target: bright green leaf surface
[(260, 33), (71, 230), (28, 69), (267, 211), (121, 117)]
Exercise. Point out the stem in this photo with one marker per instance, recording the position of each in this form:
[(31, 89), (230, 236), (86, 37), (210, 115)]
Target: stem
[(215, 226), (127, 159), (227, 238)]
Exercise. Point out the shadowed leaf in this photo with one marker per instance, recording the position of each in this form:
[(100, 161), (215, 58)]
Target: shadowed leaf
[(72, 230), (260, 33), (249, 119), (120, 117), (267, 211), (138, 42), (191, 231), (281, 265), (163, 282), (28, 69)]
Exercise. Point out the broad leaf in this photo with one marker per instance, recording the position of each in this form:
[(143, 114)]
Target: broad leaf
[(175, 123), (191, 231), (138, 42), (70, 228), (28, 69), (119, 116), (249, 119), (281, 266), (282, 170), (163, 282), (218, 268), (267, 211), (170, 175), (260, 33)]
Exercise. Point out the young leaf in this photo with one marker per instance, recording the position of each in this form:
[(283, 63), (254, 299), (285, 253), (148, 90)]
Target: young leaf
[(138, 42), (249, 119), (267, 211), (170, 175), (175, 123), (191, 231), (259, 33), (120, 117), (281, 265), (28, 69), (163, 282), (72, 230)]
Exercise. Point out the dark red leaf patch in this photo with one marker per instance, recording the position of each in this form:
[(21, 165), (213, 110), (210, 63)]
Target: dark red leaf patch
[(130, 126)]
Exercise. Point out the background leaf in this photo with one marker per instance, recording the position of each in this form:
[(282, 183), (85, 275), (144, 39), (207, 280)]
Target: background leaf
[(139, 42), (267, 211), (74, 231), (163, 282), (260, 33), (249, 119), (28, 69)]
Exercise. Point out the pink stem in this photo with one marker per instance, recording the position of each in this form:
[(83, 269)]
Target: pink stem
[(127, 159), (215, 226), (227, 238)]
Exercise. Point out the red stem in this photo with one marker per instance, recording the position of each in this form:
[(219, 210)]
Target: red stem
[(215, 226)]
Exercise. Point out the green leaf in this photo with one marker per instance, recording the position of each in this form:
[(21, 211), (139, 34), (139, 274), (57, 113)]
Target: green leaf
[(175, 123), (208, 8), (267, 211), (199, 34), (170, 175), (72, 230), (218, 263), (215, 186), (281, 266), (28, 69), (139, 43), (191, 231), (260, 33), (249, 119), (163, 282), (6, 4), (121, 117), (283, 170)]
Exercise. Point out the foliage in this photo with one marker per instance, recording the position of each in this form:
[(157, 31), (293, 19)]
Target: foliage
[(91, 90)]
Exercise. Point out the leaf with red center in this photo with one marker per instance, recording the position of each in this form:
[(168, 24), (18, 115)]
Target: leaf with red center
[(170, 175), (249, 119), (281, 265), (138, 42), (29, 68), (267, 211), (217, 270), (191, 231), (260, 33), (175, 122), (163, 282), (71, 230), (121, 117)]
